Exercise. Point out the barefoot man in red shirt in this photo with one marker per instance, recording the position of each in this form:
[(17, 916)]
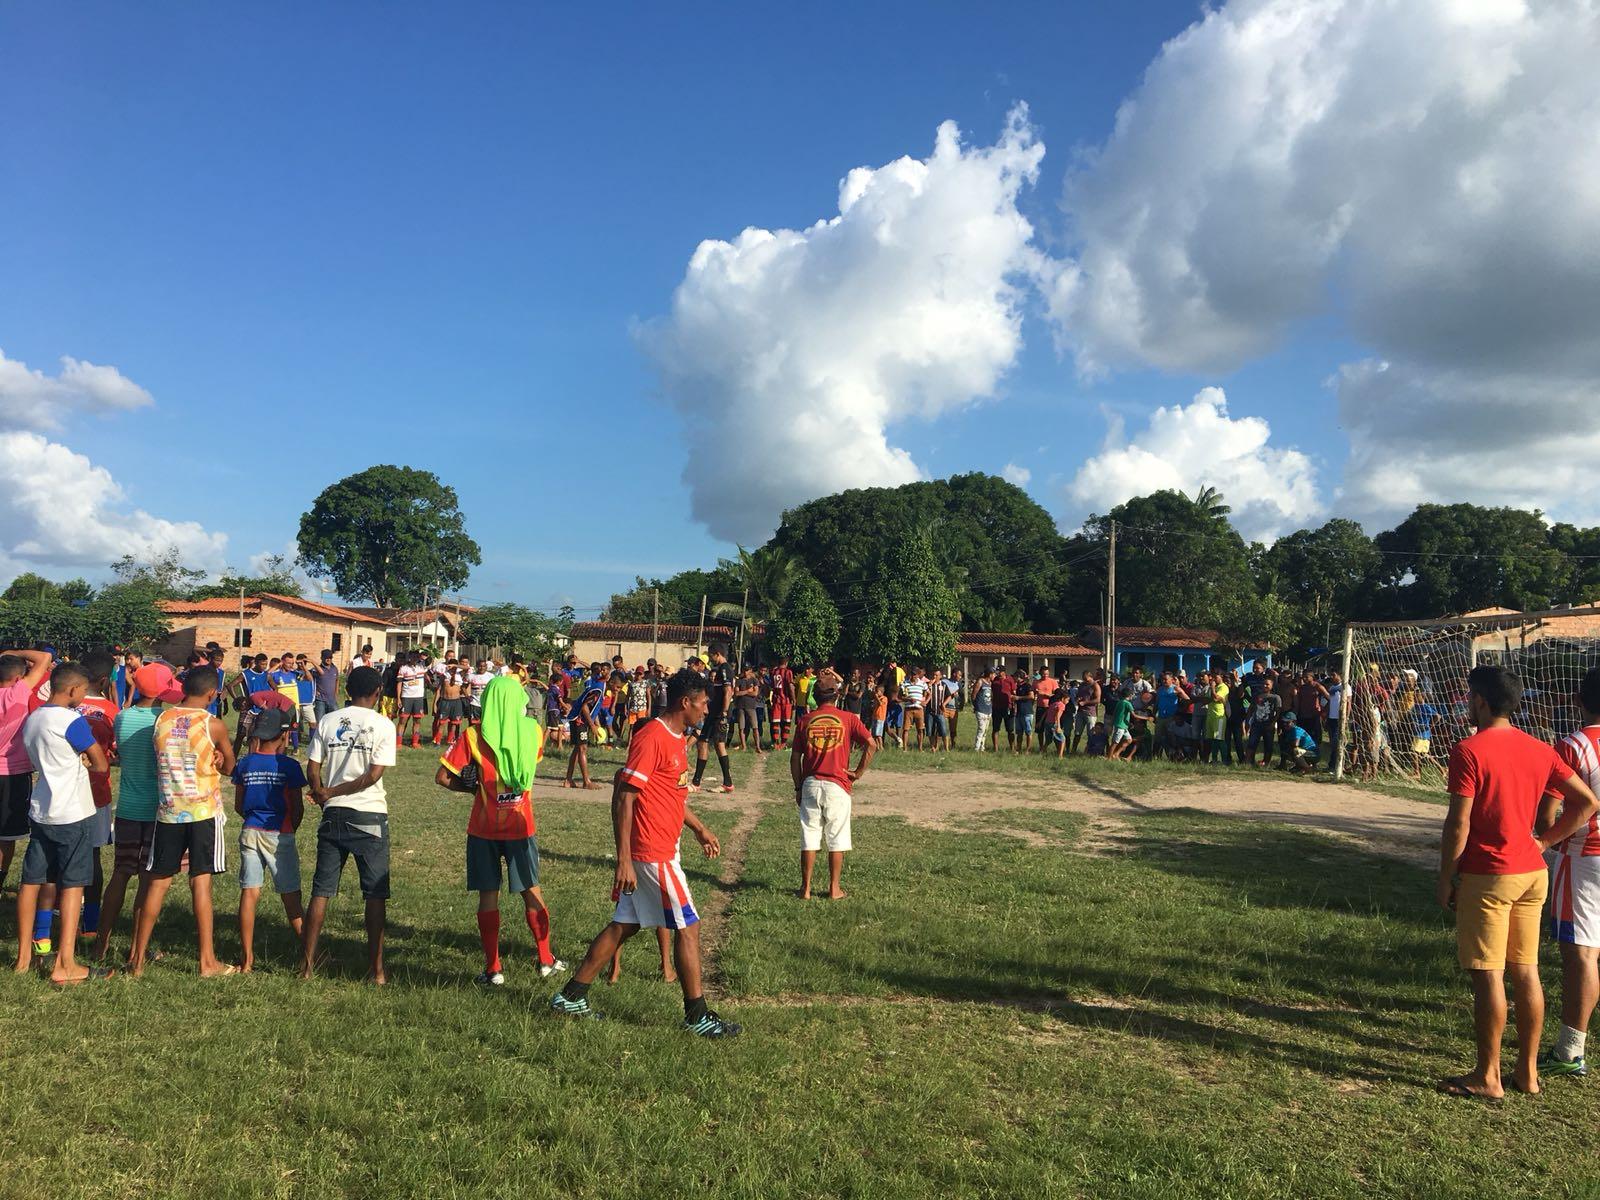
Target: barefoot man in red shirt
[(649, 810), (820, 768), (1492, 871)]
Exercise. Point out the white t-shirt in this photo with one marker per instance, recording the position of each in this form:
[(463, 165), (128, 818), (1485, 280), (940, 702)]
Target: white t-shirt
[(477, 682), (1335, 701), (502, 669), (360, 660), (412, 680), (346, 743), (54, 737)]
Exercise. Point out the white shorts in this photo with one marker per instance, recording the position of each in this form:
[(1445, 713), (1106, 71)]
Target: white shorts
[(1575, 900), (824, 815), (1118, 736), (660, 900)]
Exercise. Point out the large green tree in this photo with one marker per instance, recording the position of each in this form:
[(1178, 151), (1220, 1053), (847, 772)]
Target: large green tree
[(513, 628), (902, 608), (1325, 575), (276, 577), (765, 577), (680, 596), (806, 627), (999, 548), (386, 534), (1453, 558), (119, 615), (164, 575)]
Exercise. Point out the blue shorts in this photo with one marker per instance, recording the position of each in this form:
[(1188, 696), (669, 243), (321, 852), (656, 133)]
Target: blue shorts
[(484, 856)]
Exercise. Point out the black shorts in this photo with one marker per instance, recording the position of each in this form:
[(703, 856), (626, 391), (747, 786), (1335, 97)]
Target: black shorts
[(15, 792), (413, 706), (579, 731), (201, 840), (347, 831), (451, 710), (714, 729), (62, 854)]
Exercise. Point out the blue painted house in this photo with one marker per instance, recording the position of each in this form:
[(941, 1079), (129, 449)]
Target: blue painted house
[(1168, 648)]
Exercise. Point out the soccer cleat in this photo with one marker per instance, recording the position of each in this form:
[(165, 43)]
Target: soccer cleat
[(560, 1003), (711, 1026), (490, 979), (554, 967), (1549, 1064)]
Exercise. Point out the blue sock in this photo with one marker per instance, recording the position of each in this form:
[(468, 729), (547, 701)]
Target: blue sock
[(42, 922), (91, 916)]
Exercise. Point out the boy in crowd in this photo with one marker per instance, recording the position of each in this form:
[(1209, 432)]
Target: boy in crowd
[(256, 678), (555, 721), (325, 678), (503, 752), (1119, 715), (137, 793), (1492, 871), (21, 673), (819, 765), (306, 696), (1263, 720), (193, 755), (267, 786), (62, 823), (649, 811), (581, 724), (413, 680), (1575, 896), (100, 710), (450, 708), (1297, 749), (350, 750)]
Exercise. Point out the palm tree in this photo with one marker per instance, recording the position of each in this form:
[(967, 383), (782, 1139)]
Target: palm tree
[(993, 618), (769, 573), (1209, 501)]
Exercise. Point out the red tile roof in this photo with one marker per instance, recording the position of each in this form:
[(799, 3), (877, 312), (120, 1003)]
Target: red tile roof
[(1160, 637), (223, 605), (607, 631), (1053, 645)]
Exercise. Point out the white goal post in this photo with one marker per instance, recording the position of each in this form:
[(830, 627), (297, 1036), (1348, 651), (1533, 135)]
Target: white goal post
[(1405, 703)]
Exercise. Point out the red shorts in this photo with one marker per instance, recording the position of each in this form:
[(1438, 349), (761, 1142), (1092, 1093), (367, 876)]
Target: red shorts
[(782, 710)]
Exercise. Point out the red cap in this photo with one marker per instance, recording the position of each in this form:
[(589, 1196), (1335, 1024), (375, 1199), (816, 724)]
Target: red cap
[(155, 681)]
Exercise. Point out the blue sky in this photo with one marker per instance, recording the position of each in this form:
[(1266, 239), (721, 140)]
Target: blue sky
[(322, 237)]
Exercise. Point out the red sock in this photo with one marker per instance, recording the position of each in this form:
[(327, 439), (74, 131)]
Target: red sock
[(489, 933), (539, 922)]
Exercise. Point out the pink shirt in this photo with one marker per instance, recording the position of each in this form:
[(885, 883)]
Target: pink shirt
[(14, 698)]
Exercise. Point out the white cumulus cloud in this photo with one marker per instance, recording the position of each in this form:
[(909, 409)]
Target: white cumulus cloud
[(58, 509), (30, 399), (790, 353), (1188, 447), (1012, 473)]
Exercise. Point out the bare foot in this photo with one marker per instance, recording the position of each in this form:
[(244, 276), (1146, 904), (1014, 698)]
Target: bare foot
[(1467, 1088), (61, 978), (615, 973), (22, 968), (838, 895), (566, 783), (377, 978), (1528, 1084), (304, 972), (246, 967), (218, 971), (669, 976), (804, 893), (592, 786)]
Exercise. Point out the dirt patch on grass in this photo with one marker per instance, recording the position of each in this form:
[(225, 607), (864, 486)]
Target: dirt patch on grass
[(1407, 830)]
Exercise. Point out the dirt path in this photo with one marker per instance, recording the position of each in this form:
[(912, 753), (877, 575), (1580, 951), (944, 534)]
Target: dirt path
[(748, 803), (1407, 830)]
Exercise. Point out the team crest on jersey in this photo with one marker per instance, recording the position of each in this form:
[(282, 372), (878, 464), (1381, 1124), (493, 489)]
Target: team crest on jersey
[(825, 733)]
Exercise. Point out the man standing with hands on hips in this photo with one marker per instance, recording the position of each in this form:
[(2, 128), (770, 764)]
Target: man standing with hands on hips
[(820, 767)]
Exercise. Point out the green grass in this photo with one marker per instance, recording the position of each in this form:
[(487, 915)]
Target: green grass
[(1214, 1008)]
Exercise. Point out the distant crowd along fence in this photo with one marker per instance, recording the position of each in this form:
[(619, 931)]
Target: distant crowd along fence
[(1406, 685)]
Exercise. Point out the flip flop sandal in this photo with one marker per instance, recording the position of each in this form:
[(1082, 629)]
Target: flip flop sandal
[(95, 975), (1456, 1088)]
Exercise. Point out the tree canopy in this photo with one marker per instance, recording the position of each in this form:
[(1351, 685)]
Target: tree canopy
[(385, 535), (806, 627), (276, 577), (903, 609), (514, 629)]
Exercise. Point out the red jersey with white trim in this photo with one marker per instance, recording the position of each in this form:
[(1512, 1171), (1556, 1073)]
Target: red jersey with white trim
[(1581, 752), (101, 715), (658, 766), (497, 814)]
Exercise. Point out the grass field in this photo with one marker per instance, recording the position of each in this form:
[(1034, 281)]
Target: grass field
[(1210, 1007)]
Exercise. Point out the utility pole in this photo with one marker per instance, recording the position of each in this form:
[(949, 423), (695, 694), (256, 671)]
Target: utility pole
[(1111, 601), (744, 613), (238, 638), (700, 636), (655, 624)]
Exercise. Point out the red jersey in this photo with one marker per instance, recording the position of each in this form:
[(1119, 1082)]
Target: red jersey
[(783, 683), (1506, 773), (101, 715), (1581, 752), (1005, 687), (658, 766), (497, 814), (826, 736)]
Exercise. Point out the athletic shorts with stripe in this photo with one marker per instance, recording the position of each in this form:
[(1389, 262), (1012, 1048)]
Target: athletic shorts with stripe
[(660, 900), (1575, 900)]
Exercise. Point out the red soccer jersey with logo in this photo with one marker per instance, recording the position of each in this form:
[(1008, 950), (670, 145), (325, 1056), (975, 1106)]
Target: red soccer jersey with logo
[(658, 766), (101, 715), (826, 737), (1506, 772), (497, 814), (1581, 752)]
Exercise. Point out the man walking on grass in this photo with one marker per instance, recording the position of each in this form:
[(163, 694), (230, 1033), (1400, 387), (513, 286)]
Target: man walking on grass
[(820, 768), (649, 809), (1575, 896), (350, 751), (1492, 871)]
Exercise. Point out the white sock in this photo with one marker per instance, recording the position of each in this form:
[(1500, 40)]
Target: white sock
[(1569, 1045)]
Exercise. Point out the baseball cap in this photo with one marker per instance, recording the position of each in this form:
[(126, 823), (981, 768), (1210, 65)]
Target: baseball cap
[(155, 681), (270, 723)]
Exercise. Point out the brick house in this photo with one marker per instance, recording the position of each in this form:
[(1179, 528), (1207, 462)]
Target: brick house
[(267, 624), (1066, 657), (670, 645), (435, 626)]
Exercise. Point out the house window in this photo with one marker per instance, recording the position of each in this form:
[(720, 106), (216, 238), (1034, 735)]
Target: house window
[(615, 649), (241, 637), (338, 642), (1170, 662)]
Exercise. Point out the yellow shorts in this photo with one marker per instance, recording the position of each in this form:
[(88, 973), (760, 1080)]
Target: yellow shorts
[(1497, 919)]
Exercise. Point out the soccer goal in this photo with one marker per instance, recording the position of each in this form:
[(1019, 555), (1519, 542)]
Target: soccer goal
[(1406, 685)]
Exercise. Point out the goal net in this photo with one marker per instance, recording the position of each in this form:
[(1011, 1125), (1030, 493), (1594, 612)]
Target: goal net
[(1406, 685)]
